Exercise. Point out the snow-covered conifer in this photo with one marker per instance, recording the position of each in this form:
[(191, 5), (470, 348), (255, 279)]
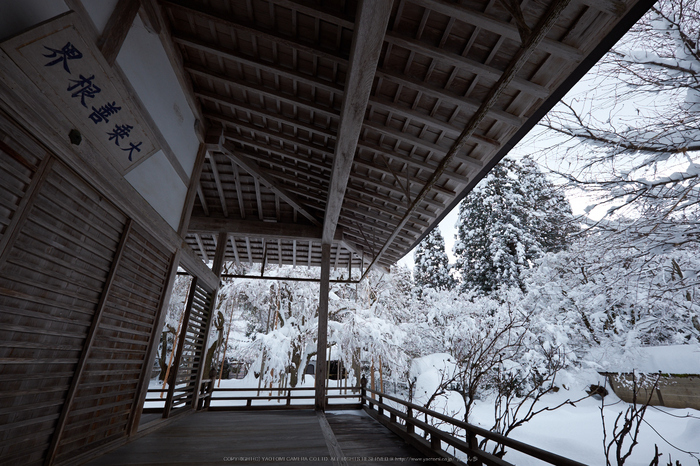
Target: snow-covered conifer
[(506, 223), (431, 264)]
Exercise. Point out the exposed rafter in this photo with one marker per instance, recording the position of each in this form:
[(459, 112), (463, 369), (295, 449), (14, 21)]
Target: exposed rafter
[(507, 78), (252, 167)]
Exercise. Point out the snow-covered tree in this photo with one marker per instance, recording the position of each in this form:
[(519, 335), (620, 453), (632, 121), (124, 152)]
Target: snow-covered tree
[(631, 142), (432, 269), (506, 223)]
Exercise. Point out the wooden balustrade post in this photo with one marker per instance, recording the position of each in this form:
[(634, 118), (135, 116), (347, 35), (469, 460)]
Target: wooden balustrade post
[(409, 423), (435, 442), (474, 445), (363, 389), (210, 392), (379, 408)]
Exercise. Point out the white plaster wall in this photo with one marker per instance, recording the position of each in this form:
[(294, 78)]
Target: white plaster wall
[(18, 15), (148, 68), (156, 180), (99, 11)]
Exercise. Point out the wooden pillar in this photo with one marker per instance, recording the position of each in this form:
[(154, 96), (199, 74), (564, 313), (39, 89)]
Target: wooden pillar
[(321, 368)]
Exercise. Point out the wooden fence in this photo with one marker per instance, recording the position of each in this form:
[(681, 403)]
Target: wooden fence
[(402, 419), (252, 398)]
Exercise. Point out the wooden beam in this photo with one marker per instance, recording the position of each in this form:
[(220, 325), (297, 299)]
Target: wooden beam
[(254, 228), (220, 254), (312, 146), (317, 11), (25, 206), (411, 160), (89, 340), (235, 249), (239, 191), (370, 28), (508, 76), (219, 187), (233, 22), (233, 55), (322, 341), (202, 249), (248, 250), (257, 172), (117, 28), (202, 200), (262, 90), (437, 125), (613, 7), (467, 104), (406, 138), (195, 267), (507, 30), (309, 160), (284, 279), (251, 228), (193, 189), (262, 113), (467, 64), (390, 107), (258, 198), (151, 18)]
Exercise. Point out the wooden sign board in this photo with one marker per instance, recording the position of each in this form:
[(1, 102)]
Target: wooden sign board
[(71, 72)]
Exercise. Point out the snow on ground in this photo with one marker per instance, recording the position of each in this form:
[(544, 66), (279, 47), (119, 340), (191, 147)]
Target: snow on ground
[(576, 431)]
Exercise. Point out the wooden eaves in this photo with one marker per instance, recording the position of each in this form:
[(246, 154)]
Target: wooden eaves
[(301, 133)]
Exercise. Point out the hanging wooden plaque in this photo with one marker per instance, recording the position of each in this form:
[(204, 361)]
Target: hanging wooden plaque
[(59, 57)]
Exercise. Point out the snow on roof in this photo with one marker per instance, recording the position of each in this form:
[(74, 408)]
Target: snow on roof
[(676, 359)]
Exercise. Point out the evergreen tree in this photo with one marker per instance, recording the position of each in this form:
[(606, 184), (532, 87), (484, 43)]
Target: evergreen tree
[(432, 268), (506, 223)]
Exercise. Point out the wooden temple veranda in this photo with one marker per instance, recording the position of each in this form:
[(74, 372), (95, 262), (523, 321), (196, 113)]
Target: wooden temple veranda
[(139, 137)]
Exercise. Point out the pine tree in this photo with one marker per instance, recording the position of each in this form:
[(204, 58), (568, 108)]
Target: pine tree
[(506, 223), (432, 268)]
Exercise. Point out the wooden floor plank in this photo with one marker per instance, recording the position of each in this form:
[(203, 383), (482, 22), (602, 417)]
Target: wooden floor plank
[(228, 437), (292, 437), (360, 436)]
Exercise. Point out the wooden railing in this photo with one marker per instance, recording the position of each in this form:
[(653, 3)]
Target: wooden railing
[(282, 398), (402, 420), (252, 398)]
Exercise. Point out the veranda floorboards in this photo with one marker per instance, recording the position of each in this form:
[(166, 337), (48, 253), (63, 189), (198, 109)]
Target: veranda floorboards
[(365, 441), (239, 438), (263, 437)]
